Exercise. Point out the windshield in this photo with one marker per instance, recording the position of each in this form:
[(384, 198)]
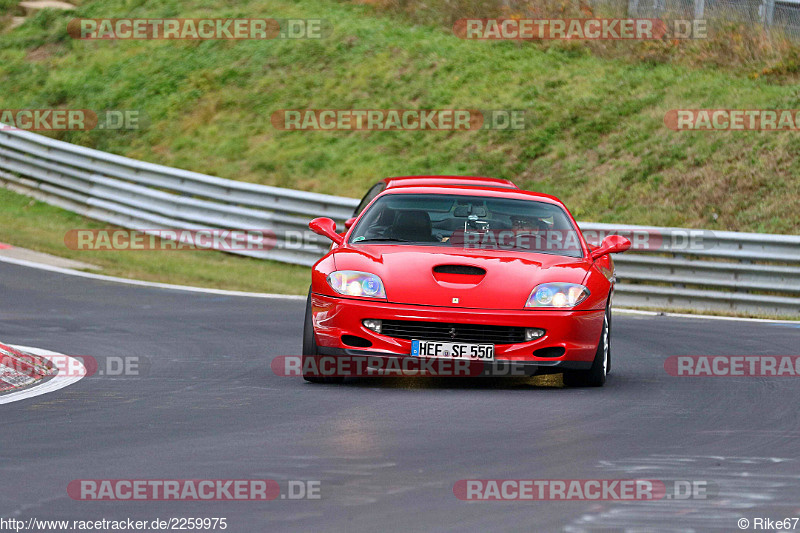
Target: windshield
[(476, 222)]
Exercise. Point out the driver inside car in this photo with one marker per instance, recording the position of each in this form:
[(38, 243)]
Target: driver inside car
[(527, 225)]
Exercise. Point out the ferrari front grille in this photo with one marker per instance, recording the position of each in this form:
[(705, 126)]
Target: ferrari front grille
[(442, 331)]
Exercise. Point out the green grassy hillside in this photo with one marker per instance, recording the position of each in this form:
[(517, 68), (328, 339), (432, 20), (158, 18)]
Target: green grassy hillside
[(595, 133)]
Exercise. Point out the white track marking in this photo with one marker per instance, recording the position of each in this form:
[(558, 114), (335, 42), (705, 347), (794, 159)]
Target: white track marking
[(707, 317), (140, 283), (52, 385)]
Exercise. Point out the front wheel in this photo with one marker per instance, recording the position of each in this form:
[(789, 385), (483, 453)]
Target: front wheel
[(596, 375), (310, 348)]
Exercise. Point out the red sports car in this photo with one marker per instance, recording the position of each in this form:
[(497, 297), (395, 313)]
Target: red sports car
[(485, 273)]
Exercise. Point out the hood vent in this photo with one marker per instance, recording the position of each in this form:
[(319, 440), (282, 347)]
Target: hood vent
[(464, 270)]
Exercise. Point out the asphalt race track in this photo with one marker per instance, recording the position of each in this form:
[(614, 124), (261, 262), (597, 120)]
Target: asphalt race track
[(386, 451)]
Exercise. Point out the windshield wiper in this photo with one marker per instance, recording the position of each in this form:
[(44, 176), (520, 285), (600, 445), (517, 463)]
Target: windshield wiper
[(380, 239)]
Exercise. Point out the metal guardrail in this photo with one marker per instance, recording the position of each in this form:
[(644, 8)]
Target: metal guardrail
[(782, 15), (727, 271), (730, 272), (144, 196)]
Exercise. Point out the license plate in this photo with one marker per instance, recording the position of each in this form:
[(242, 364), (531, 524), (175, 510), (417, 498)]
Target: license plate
[(452, 350)]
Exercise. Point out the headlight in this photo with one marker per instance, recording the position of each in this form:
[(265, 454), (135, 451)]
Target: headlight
[(557, 295), (354, 283)]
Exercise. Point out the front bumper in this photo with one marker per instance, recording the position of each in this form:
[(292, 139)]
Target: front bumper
[(577, 332)]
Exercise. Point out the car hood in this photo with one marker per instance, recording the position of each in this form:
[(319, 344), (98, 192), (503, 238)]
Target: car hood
[(424, 275)]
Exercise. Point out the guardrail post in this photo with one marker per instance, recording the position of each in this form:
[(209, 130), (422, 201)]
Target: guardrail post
[(769, 12), (699, 9)]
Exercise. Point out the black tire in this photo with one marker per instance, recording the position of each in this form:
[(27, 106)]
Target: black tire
[(608, 339), (310, 347), (596, 375)]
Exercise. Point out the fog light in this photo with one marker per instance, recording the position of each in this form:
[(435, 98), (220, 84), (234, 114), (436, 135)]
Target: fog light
[(373, 324), (532, 333)]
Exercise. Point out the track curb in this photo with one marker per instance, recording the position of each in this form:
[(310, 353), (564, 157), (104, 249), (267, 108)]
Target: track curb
[(20, 369)]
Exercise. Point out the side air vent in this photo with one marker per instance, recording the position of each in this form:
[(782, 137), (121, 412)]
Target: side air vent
[(553, 351), (358, 342), (464, 270)]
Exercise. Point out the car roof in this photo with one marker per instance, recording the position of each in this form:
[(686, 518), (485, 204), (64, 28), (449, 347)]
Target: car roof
[(471, 190), (469, 181)]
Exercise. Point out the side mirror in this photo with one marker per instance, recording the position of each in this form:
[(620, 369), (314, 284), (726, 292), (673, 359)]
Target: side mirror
[(327, 228), (349, 222), (611, 245)]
